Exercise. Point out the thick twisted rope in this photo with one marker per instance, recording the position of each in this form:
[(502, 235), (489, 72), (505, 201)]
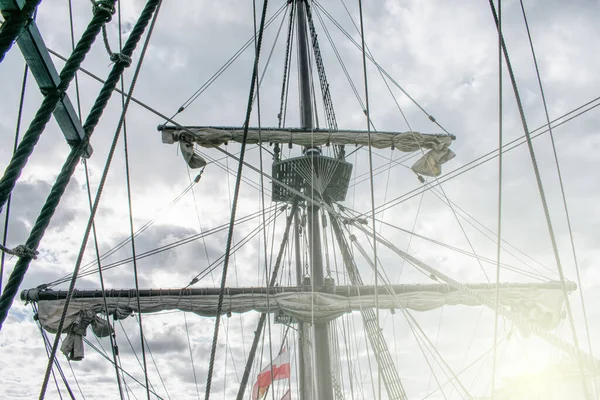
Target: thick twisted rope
[(91, 122), (97, 109), (102, 13), (15, 22), (236, 193), (64, 176)]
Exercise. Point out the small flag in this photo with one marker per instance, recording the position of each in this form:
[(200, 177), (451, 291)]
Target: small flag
[(279, 369)]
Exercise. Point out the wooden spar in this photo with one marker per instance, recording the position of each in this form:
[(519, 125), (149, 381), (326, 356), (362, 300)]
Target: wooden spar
[(212, 136), (349, 291)]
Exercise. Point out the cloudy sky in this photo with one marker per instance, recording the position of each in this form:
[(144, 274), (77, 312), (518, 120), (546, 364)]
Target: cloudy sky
[(445, 55)]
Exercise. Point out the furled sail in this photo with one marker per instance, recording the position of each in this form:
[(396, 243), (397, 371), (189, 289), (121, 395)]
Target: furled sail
[(539, 303), (435, 148)]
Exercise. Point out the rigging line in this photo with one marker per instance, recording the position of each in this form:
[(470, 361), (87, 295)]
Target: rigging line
[(234, 205), (287, 91), (380, 73), (364, 62), (93, 346), (112, 337), (542, 194), (75, 378), (226, 168), (134, 37), (56, 362), (113, 344), (248, 165), (493, 235), (262, 181), (160, 249), (490, 156), (339, 58), (201, 230), (262, 76), (510, 315), (461, 251), (53, 373), (130, 212), (138, 232), (263, 316), (227, 64), (463, 370), (154, 362), (286, 63), (206, 271), (237, 246), (150, 385), (534, 273), (407, 314), (437, 337), (499, 220), (235, 270), (470, 345), (163, 116), (379, 67), (16, 143), (412, 321), (562, 188), (383, 168)]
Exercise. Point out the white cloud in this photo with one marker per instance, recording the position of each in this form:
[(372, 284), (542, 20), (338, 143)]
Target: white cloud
[(444, 54)]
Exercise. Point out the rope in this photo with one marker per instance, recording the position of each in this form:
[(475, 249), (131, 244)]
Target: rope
[(93, 347), (92, 120), (372, 188), (499, 223), (21, 251), (16, 143), (31, 137), (562, 188), (127, 61), (234, 205), (117, 58), (515, 318), (15, 22), (102, 14), (261, 321), (286, 65), (542, 197)]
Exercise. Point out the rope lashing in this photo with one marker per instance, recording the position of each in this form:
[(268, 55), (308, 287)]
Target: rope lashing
[(117, 58), (20, 251), (15, 22), (120, 58)]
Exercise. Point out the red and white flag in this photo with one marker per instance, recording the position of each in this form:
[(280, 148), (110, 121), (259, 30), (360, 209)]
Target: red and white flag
[(279, 369)]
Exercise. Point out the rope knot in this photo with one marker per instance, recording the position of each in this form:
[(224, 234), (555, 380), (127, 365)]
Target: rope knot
[(59, 92), (24, 251), (120, 58), (104, 8), (21, 251)]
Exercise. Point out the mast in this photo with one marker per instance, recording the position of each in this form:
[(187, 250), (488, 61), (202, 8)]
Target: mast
[(324, 389)]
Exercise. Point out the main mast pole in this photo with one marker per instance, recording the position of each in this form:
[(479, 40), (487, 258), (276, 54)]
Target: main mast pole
[(324, 389)]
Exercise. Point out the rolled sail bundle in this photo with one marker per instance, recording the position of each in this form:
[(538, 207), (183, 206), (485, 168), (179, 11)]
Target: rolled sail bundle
[(435, 147), (541, 304)]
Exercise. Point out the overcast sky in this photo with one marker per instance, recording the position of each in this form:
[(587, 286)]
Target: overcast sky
[(445, 55)]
